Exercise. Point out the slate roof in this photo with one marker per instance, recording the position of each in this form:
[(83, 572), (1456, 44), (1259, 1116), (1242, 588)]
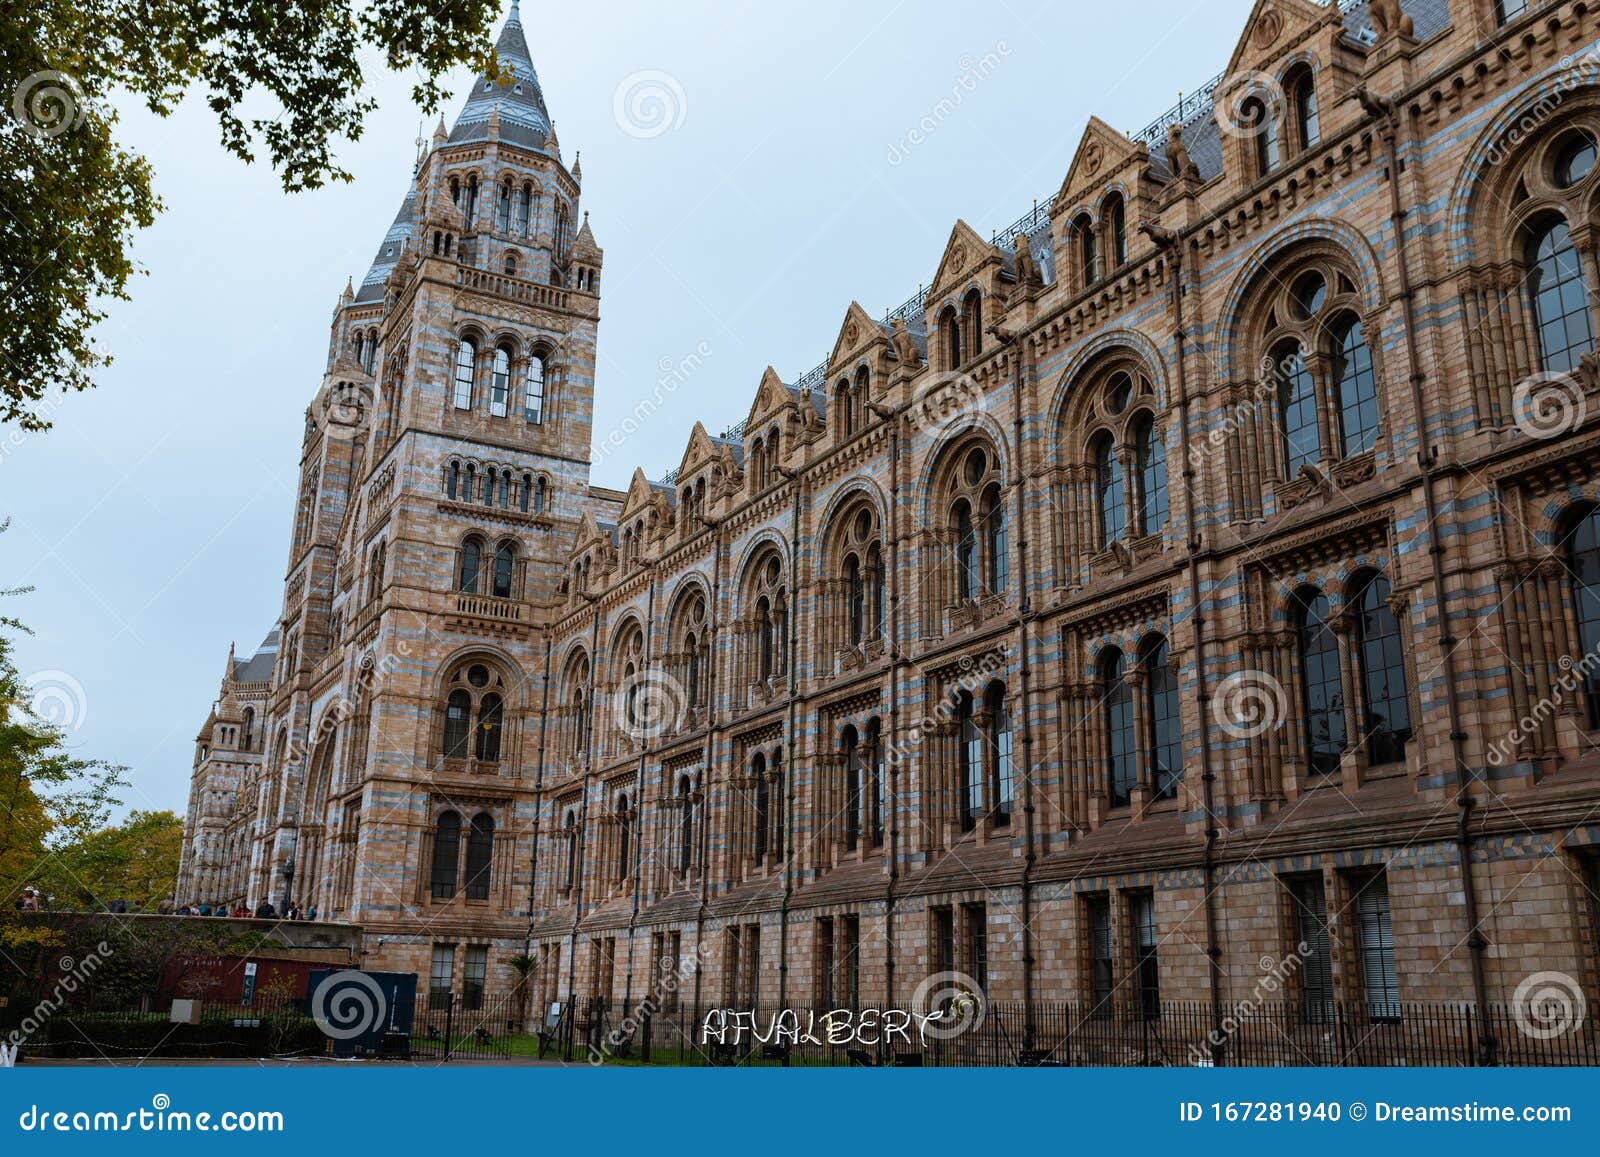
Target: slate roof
[(258, 667), (524, 120)]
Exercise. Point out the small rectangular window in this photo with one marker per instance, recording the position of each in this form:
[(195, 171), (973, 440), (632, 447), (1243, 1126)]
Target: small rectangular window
[(473, 976), (976, 917), (1101, 970), (1146, 942), (1380, 983), (1310, 919), (944, 940), (850, 951), (824, 981), (441, 975)]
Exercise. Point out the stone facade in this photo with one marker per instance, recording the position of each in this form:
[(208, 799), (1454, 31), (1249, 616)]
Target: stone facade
[(1202, 567)]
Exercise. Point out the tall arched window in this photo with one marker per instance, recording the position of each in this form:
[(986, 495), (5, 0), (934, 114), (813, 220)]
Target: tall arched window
[(1560, 297), (249, 729), (1120, 737), (1088, 250), (762, 817), (471, 565), (504, 564), (1000, 786), (1356, 388), (877, 785), (685, 823), (764, 639), (855, 599), (1152, 458), (971, 326), (446, 855), (500, 382), (1258, 119), (490, 712), (878, 625), (457, 722), (966, 552), (1116, 218), (1165, 758), (970, 751), (533, 391), (624, 838), (480, 855), (1108, 491), (850, 747), (1322, 691), (502, 208), (569, 827), (1297, 409), (950, 327), (996, 548), (466, 359), (1302, 92), (1582, 547), (1385, 704)]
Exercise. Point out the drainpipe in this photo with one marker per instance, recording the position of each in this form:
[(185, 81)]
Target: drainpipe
[(896, 667), (1171, 243), (1387, 113), (538, 799), (790, 770), (1024, 612), (714, 666), (638, 793)]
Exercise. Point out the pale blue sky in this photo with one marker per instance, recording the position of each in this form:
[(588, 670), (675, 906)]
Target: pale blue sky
[(154, 519)]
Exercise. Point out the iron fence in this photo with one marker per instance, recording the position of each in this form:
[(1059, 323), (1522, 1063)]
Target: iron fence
[(270, 1026)]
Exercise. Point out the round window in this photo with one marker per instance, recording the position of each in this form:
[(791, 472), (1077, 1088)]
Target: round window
[(1119, 393), (863, 526), (1575, 159), (1308, 294), (477, 675), (976, 465)]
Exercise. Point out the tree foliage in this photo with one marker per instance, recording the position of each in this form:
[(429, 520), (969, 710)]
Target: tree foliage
[(283, 80)]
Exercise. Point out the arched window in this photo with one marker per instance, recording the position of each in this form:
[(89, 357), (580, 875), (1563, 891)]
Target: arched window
[(856, 599), (539, 495), (762, 818), (1297, 409), (569, 827), (480, 853), (249, 729), (1165, 759), (1088, 250), (504, 560), (1582, 547), (470, 210), (380, 555), (878, 787), (524, 211), (764, 640), (1120, 737), (1108, 491), (1258, 119), (1385, 704), (511, 264), (533, 391), (997, 551), (1000, 789), (624, 838), (471, 564), (1116, 218), (852, 788), (500, 382), (967, 578), (446, 855), (452, 480), (490, 711), (502, 208), (1356, 388), (972, 325), (457, 722), (1560, 296), (845, 410), (970, 754), (950, 326), (1152, 459), (1321, 689), (1303, 97), (466, 359), (879, 625), (685, 823)]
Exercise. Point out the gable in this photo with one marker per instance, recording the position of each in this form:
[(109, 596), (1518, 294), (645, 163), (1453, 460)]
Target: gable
[(1274, 28), (1101, 151), (963, 253), (857, 330)]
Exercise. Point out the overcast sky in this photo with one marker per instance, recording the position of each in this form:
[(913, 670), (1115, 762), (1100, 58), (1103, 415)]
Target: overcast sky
[(776, 163)]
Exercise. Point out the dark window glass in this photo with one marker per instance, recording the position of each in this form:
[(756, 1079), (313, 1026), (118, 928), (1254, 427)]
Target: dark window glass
[(967, 580), (446, 854), (1357, 388), (480, 851), (1120, 738), (971, 770), (1152, 453), (1321, 686), (472, 977), (1257, 118), (503, 559), (995, 541), (1575, 161), (1142, 915), (944, 939), (1101, 968), (1088, 252), (1001, 789), (856, 598), (440, 975), (1108, 483), (1560, 300), (1297, 410), (685, 824), (1383, 672), (978, 944), (1380, 984), (1116, 226), (471, 561), (489, 718), (1508, 10), (1583, 563), (1166, 728), (852, 790), (457, 722), (763, 808), (1305, 112)]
